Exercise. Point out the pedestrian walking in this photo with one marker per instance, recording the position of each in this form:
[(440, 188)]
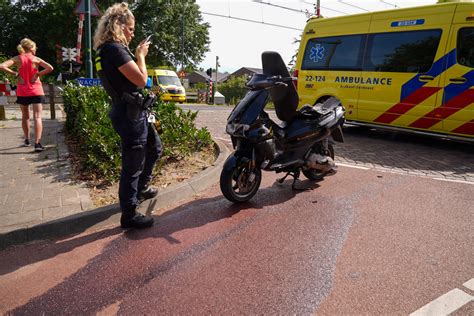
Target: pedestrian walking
[(29, 89), (123, 76)]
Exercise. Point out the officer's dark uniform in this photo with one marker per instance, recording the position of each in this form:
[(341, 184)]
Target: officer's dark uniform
[(141, 145)]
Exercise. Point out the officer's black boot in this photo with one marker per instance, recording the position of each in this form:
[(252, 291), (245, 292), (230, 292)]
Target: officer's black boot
[(147, 193), (135, 220)]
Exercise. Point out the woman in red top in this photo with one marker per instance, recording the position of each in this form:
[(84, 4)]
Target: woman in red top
[(29, 87)]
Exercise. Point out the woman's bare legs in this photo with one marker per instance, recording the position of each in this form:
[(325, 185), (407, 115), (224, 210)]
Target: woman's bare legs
[(25, 120), (37, 111)]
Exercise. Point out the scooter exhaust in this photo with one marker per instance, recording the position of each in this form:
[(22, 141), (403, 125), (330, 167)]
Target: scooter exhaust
[(320, 162)]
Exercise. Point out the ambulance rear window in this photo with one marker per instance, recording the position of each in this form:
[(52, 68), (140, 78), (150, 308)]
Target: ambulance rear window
[(465, 47), (410, 51)]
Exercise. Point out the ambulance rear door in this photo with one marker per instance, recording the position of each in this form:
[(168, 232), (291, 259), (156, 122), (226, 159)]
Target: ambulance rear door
[(402, 66), (457, 108)]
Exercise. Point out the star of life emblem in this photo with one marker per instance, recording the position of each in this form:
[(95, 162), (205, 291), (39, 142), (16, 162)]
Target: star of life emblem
[(316, 53)]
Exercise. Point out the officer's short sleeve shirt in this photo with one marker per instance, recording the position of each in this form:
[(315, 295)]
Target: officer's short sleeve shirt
[(113, 56)]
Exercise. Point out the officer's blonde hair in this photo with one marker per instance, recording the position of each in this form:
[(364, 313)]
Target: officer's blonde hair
[(111, 24)]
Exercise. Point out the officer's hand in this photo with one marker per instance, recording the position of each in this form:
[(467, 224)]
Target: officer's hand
[(142, 49)]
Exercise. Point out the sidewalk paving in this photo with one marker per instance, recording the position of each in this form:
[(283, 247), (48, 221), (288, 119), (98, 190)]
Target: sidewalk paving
[(39, 200)]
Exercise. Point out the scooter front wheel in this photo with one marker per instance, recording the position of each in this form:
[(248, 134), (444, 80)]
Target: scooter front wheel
[(240, 183)]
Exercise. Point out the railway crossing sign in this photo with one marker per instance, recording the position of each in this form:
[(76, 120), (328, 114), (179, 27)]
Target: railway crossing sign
[(68, 54)]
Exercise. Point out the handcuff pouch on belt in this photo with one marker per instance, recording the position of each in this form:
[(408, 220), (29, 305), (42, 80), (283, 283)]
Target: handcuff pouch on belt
[(137, 103), (134, 104)]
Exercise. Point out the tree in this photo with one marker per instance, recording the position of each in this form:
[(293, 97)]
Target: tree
[(52, 22), (179, 34), (46, 23), (292, 62)]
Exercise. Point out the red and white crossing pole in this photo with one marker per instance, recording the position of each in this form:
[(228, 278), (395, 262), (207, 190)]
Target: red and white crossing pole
[(79, 37), (318, 9)]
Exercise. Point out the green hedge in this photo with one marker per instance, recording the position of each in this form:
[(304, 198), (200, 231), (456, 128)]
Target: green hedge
[(234, 89), (89, 126)]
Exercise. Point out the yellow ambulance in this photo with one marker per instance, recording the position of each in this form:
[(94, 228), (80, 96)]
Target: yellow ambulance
[(404, 69), (167, 84)]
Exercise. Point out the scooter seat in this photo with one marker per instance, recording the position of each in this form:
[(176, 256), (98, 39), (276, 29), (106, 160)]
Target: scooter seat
[(307, 112)]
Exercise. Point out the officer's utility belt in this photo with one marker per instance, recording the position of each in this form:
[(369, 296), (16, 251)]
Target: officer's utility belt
[(137, 103)]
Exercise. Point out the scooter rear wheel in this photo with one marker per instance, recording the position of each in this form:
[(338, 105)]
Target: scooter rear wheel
[(240, 183), (317, 175)]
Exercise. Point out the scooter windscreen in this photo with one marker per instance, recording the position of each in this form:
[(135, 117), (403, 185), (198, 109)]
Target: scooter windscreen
[(285, 98)]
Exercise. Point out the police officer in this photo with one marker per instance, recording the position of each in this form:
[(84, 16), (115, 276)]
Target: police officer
[(124, 74)]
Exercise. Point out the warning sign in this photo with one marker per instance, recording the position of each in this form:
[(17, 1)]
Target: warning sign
[(81, 8)]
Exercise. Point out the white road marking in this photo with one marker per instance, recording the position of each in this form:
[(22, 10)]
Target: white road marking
[(450, 180), (408, 174), (469, 284), (351, 166), (445, 304)]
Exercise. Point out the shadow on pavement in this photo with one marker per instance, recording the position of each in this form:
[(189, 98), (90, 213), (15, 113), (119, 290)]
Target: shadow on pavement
[(12, 259), (67, 226), (126, 263)]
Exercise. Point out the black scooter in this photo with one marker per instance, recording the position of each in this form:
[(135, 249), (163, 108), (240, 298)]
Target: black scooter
[(301, 142)]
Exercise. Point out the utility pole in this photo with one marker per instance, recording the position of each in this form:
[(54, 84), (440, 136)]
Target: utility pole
[(87, 9), (182, 36), (215, 81)]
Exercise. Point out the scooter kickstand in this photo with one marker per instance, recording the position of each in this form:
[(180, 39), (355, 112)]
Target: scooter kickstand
[(296, 176), (280, 180)]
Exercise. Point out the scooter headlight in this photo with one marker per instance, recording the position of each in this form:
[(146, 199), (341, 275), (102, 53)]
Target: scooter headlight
[(237, 129)]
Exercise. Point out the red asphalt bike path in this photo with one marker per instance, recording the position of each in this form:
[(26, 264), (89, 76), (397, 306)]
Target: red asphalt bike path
[(361, 241)]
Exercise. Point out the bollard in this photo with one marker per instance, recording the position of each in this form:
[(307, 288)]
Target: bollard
[(51, 101), (2, 113), (3, 102)]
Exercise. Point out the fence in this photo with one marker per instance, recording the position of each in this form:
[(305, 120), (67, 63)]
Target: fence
[(199, 96), (8, 96)]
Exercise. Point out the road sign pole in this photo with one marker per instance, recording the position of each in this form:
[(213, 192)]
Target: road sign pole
[(88, 61), (84, 7)]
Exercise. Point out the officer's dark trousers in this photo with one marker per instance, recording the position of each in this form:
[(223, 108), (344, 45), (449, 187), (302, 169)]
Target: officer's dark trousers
[(141, 148)]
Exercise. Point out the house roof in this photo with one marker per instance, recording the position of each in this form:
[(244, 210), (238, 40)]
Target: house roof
[(205, 77), (255, 70), (201, 76), (248, 70)]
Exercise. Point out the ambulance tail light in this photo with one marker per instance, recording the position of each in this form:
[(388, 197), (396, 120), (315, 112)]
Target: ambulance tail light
[(295, 78)]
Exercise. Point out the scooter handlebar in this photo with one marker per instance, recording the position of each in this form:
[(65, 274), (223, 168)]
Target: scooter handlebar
[(263, 82)]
